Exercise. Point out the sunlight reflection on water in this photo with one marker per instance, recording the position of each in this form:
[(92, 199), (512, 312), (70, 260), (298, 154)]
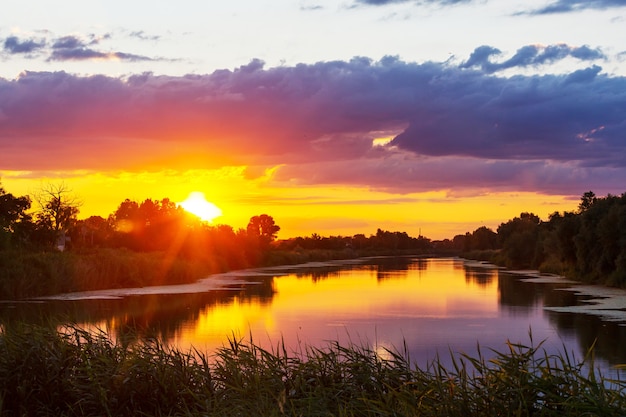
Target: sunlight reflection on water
[(433, 306)]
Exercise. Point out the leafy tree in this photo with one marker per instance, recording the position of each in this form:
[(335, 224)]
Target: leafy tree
[(588, 245), (586, 201), (557, 240), (482, 238), (263, 227), (95, 231), (151, 225), (519, 240), (12, 216)]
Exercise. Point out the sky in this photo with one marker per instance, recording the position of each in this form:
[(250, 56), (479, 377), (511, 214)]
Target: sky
[(433, 117)]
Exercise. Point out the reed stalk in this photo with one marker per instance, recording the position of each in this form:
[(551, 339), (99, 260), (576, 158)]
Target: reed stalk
[(72, 372)]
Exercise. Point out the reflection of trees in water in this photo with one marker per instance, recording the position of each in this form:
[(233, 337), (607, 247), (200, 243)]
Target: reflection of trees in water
[(479, 276), (142, 316), (320, 275), (400, 263), (398, 267), (387, 267), (522, 294), (609, 337), (515, 293)]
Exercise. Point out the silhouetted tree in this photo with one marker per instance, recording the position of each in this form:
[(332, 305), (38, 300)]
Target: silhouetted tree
[(519, 240), (151, 225), (58, 208), (482, 238), (95, 231), (12, 216), (586, 201), (263, 227)]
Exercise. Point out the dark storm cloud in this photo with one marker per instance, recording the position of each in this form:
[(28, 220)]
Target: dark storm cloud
[(530, 55), (14, 45), (451, 126), (567, 6)]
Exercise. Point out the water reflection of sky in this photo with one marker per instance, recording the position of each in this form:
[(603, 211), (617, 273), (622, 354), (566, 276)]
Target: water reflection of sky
[(439, 308), (429, 305)]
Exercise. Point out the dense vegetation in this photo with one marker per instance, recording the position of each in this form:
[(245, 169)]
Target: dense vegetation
[(76, 373), (72, 372), (587, 245), (148, 243), (158, 242)]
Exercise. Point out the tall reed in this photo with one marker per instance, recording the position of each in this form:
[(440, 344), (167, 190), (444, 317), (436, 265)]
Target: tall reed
[(72, 372)]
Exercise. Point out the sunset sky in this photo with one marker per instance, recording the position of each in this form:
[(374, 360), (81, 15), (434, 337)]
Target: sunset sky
[(334, 117)]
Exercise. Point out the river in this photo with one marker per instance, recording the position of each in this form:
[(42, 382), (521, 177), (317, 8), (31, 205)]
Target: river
[(428, 306)]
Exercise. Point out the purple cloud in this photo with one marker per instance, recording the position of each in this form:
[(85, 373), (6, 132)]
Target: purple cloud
[(68, 42), (530, 55), (73, 48), (567, 6), (14, 45), (84, 54), (449, 126), (69, 48)]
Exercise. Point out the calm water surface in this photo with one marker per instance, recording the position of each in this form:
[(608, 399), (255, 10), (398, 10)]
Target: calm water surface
[(430, 305)]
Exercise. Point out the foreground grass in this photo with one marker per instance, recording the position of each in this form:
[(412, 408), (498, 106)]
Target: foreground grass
[(75, 373)]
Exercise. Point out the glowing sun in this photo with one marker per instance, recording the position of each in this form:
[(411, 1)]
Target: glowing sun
[(196, 204)]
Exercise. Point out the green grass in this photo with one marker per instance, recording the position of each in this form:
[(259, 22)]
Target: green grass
[(73, 372)]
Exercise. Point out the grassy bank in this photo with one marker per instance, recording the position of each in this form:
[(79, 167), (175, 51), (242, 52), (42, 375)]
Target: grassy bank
[(75, 373), (25, 274), (33, 274)]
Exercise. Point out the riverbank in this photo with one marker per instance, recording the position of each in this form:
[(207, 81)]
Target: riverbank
[(77, 373), (26, 274)]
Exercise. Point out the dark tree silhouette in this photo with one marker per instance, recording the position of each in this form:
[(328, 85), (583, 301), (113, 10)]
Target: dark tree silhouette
[(263, 227), (519, 240), (58, 207), (95, 231), (587, 200), (12, 210), (12, 216)]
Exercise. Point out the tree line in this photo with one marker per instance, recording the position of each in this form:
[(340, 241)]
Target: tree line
[(159, 225), (147, 226), (587, 244)]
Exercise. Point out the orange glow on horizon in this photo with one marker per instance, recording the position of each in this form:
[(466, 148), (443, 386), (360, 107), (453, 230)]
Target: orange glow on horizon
[(243, 192)]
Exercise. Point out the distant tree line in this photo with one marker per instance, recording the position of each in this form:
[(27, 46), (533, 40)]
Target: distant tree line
[(162, 225), (148, 226), (588, 244), (383, 241)]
